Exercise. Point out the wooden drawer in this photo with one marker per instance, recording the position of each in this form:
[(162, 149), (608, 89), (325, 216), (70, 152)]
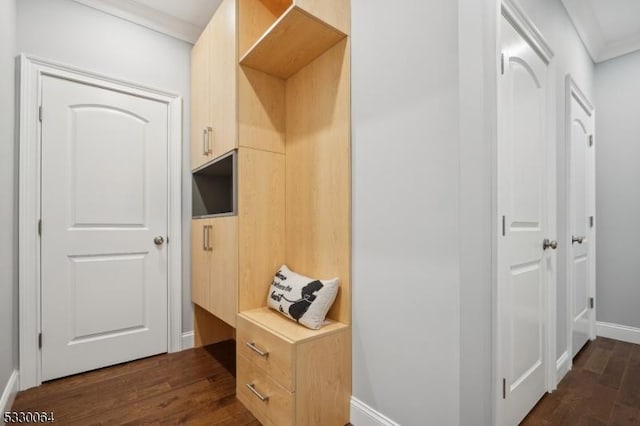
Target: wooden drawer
[(277, 360), (278, 406)]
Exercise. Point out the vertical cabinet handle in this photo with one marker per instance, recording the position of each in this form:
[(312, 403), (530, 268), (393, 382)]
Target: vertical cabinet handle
[(204, 237), (209, 135)]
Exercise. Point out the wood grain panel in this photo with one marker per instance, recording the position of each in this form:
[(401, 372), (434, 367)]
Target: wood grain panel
[(223, 295), (323, 380), (208, 329), (288, 329), (223, 73), (336, 13), (199, 264), (254, 19), (318, 151), (277, 7), (200, 89), (278, 409), (294, 41), (261, 188), (261, 114), (278, 363)]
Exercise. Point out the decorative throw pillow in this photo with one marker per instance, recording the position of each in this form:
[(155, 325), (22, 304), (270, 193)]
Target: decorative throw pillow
[(303, 299)]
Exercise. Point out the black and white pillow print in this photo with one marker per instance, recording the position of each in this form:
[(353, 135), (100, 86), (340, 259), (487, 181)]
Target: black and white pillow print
[(303, 299)]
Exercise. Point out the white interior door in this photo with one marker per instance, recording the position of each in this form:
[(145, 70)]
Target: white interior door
[(581, 196), (523, 206), (104, 200)]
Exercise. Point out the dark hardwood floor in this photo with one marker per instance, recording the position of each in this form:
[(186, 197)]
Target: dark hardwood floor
[(603, 388), (195, 387)]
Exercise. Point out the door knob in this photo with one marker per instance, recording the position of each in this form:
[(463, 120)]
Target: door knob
[(578, 240), (158, 241), (549, 244)]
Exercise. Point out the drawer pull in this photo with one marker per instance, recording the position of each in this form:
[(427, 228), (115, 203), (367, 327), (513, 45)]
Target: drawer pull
[(254, 348), (252, 388)]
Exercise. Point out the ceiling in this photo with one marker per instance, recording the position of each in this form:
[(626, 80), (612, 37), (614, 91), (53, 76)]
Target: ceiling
[(608, 28), (183, 19)]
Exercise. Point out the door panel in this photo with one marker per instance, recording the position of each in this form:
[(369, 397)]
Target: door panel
[(523, 192), (200, 260), (223, 84), (104, 199), (224, 268), (201, 147), (103, 285), (580, 190), (96, 147)]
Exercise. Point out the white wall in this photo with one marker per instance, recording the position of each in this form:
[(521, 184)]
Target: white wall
[(478, 68), (571, 57), (618, 188), (74, 34), (8, 195), (406, 272)]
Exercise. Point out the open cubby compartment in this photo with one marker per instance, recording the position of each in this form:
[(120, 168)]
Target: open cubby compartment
[(279, 37), (304, 122), (215, 187)]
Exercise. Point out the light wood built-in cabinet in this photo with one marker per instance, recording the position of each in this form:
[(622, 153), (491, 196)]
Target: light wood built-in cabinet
[(214, 248), (287, 102), (213, 88), (304, 375)]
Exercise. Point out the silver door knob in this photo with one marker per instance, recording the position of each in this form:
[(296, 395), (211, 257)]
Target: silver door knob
[(578, 240), (549, 244), (158, 241)]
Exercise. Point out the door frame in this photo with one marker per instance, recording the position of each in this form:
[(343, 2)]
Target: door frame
[(513, 13), (31, 71), (572, 90)]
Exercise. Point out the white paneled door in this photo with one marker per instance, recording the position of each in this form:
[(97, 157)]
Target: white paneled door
[(104, 202), (581, 221), (524, 251)]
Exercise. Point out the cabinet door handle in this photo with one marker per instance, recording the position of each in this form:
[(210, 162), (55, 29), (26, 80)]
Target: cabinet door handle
[(209, 134), (204, 237), (205, 143), (252, 388), (209, 237), (254, 348)]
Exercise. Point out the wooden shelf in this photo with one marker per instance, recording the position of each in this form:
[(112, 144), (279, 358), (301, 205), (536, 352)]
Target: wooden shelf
[(286, 328), (291, 43)]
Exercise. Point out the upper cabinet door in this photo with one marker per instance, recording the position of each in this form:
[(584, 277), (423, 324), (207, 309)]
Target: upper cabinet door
[(223, 54), (201, 142)]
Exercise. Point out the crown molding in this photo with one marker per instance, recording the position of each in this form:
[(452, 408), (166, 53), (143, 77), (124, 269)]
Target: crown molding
[(147, 17), (586, 24), (623, 47)]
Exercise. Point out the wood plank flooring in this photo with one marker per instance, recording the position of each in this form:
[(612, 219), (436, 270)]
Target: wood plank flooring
[(603, 388), (195, 387)]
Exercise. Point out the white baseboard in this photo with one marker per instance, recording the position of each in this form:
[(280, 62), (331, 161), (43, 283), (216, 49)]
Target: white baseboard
[(618, 332), (363, 415), (9, 393), (187, 340), (563, 365)]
